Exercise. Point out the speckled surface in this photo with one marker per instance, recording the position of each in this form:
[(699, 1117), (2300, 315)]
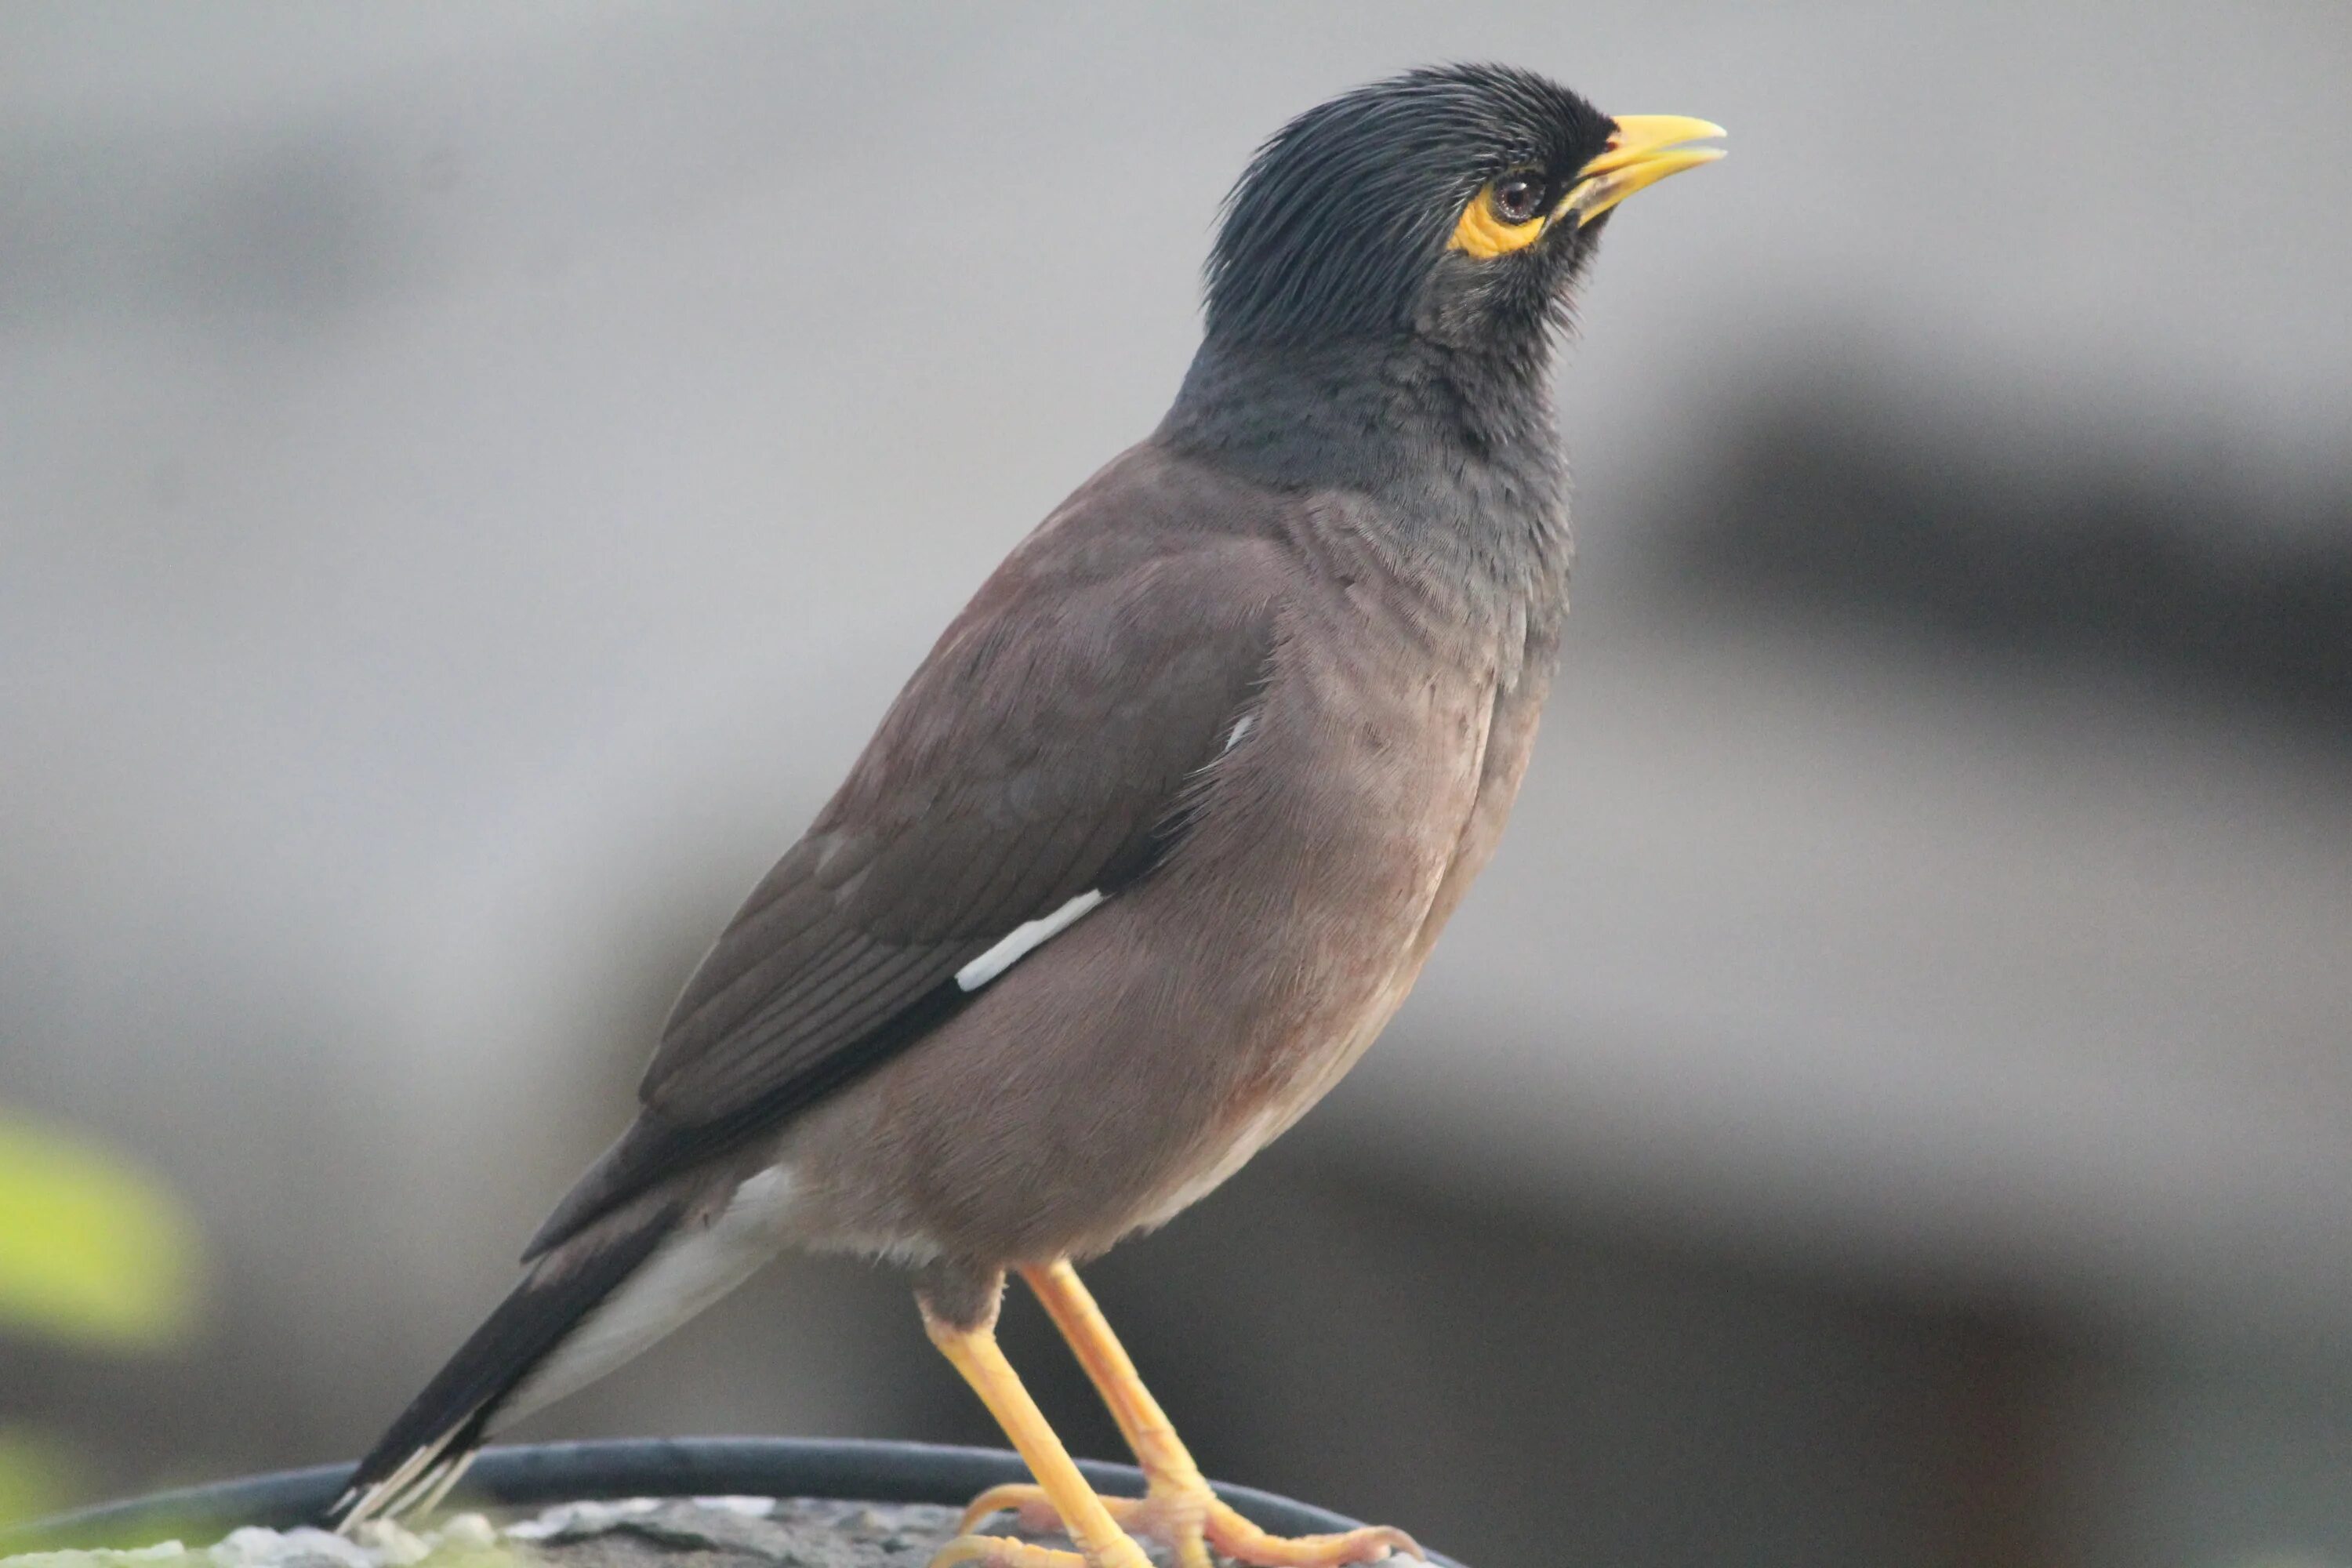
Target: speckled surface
[(642, 1533)]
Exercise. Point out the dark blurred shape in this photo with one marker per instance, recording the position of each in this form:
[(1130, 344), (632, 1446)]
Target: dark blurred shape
[(1845, 491)]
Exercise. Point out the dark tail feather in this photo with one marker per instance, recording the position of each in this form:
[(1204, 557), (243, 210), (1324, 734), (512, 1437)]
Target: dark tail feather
[(416, 1462)]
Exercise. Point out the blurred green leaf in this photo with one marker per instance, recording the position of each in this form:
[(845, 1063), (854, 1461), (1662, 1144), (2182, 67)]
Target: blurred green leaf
[(35, 1477), (90, 1250)]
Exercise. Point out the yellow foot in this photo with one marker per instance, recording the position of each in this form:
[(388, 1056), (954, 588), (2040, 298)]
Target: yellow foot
[(1004, 1551), (1188, 1523)]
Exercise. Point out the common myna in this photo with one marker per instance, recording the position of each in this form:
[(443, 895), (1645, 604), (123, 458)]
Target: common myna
[(1159, 833)]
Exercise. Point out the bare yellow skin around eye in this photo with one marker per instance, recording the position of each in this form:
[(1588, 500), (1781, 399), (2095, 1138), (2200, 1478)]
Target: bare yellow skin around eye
[(1485, 234)]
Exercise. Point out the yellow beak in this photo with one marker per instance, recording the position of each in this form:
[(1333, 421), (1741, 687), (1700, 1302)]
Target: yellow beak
[(1645, 150)]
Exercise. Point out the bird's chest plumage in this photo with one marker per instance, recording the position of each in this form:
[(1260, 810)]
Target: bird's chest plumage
[(1395, 732), (1392, 744)]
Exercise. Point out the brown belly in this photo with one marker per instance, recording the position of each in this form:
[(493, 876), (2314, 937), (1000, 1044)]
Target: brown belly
[(1146, 1054), (1315, 1062)]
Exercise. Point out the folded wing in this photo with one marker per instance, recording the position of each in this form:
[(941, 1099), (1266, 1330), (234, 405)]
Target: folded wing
[(1041, 760)]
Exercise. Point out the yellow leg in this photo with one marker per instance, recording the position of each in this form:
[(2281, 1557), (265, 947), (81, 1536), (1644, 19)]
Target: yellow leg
[(1180, 1510), (975, 1354)]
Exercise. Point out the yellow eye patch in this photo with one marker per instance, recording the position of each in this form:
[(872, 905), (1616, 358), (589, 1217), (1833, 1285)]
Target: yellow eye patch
[(1484, 233)]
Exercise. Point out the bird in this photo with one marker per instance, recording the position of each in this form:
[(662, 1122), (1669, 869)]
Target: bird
[(1158, 833)]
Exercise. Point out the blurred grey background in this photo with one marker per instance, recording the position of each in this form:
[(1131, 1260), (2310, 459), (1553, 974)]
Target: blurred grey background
[(471, 475)]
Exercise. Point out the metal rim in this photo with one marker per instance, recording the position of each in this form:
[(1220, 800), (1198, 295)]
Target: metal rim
[(535, 1473)]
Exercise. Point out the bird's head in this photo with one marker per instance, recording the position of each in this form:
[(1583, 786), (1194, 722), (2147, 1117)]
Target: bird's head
[(1455, 203)]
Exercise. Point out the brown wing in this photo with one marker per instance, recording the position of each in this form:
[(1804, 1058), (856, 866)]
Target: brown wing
[(1042, 751)]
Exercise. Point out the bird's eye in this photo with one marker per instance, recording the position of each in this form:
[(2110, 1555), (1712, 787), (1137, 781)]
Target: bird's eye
[(1518, 197), (1506, 214)]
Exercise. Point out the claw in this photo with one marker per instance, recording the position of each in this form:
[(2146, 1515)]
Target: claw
[(1238, 1538), (1004, 1551), (1188, 1524)]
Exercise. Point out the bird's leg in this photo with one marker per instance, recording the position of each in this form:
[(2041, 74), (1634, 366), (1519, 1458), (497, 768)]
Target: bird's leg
[(1180, 1510), (973, 1348)]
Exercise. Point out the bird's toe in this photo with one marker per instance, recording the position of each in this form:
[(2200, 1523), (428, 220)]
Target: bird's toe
[(1238, 1539), (1032, 1510), (1002, 1551)]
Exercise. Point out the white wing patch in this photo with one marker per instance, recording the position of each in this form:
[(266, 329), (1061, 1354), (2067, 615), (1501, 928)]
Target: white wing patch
[(1027, 938)]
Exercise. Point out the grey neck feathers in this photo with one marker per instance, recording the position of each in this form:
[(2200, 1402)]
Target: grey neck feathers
[(1458, 450)]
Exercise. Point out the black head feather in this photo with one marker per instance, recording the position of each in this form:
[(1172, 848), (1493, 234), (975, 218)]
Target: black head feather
[(1339, 227)]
